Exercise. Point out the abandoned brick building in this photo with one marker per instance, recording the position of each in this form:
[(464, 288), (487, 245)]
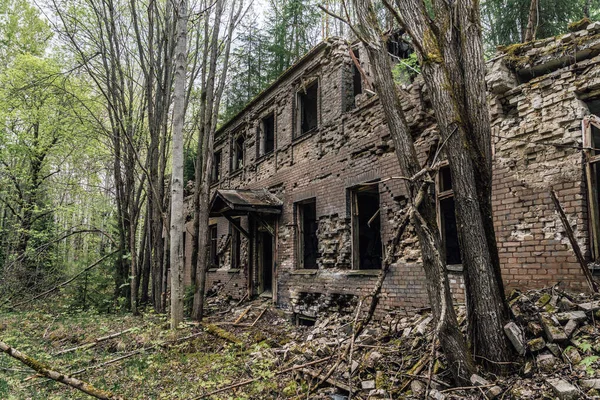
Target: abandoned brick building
[(306, 193)]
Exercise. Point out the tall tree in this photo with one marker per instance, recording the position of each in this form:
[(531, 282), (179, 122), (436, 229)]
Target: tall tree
[(213, 77), (177, 210)]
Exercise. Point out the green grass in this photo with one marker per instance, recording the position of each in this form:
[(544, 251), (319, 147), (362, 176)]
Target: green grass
[(180, 371)]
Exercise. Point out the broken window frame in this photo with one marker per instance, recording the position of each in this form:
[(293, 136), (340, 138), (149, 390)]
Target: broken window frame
[(236, 245), (237, 162), (299, 210), (299, 107), (355, 222), (263, 151), (441, 195), (217, 165), (592, 160), (213, 250)]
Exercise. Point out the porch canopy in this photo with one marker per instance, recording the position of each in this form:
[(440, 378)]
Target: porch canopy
[(237, 202)]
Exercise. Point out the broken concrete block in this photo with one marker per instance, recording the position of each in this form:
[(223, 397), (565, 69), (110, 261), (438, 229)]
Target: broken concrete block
[(373, 358), (592, 305), (436, 394), (353, 366), (566, 305), (477, 380), (563, 389), (571, 315), (554, 333), (546, 362), (367, 385), (494, 392), (536, 344), (554, 348), (422, 327), (534, 328), (417, 387), (570, 327), (590, 383), (593, 27), (515, 335), (572, 355)]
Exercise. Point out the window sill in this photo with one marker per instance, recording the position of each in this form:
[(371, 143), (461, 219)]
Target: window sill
[(304, 136), (455, 268), (363, 272), (233, 271), (236, 173), (304, 272)]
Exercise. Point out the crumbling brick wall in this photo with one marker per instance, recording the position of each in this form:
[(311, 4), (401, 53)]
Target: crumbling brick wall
[(536, 143)]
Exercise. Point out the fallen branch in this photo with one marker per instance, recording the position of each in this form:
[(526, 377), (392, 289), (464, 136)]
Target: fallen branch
[(57, 376), (65, 283), (94, 343), (242, 314), (248, 381), (259, 316), (574, 244), (221, 333)]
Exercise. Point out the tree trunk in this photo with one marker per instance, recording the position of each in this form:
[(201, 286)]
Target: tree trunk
[(438, 288), (532, 22), (177, 210), (451, 54)]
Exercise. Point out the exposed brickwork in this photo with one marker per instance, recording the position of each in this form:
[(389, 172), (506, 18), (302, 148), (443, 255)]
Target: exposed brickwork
[(354, 147)]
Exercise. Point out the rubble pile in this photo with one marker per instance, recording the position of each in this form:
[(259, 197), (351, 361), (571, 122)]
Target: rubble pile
[(555, 334)]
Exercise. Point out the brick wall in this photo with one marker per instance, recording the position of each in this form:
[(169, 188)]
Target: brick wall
[(354, 147)]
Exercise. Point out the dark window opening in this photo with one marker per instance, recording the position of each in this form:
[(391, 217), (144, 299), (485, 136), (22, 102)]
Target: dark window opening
[(398, 47), (238, 153), (591, 141), (356, 77), (366, 228), (308, 108), (214, 257), (302, 320), (267, 261), (216, 175), (308, 242), (236, 247), (268, 124), (447, 217)]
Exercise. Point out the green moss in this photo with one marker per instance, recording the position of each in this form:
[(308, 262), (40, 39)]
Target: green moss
[(431, 48), (579, 25)]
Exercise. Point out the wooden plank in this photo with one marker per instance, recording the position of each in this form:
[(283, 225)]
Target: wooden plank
[(237, 226)]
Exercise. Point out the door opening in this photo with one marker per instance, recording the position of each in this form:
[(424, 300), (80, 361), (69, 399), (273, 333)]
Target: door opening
[(267, 262)]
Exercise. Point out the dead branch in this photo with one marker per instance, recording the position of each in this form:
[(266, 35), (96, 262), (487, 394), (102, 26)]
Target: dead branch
[(574, 244), (242, 315), (65, 283), (259, 316), (56, 376), (221, 333), (94, 343), (248, 381)]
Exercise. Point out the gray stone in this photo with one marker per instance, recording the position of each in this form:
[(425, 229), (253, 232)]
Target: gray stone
[(565, 304), (563, 389), (571, 354), (377, 393), (515, 335), (417, 387), (590, 383), (571, 315), (554, 348), (373, 358), (353, 366), (436, 394), (367, 385), (536, 344), (494, 392), (477, 380), (546, 362), (554, 333), (593, 27), (422, 327), (593, 305), (570, 327)]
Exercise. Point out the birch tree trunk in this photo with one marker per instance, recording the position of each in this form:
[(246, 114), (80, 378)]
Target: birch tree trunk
[(177, 211)]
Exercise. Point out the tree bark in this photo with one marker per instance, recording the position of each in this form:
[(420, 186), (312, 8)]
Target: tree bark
[(532, 22), (424, 220), (177, 209), (451, 53)]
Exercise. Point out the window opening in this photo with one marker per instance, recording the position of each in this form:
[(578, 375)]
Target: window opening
[(308, 107), (308, 242), (356, 77), (267, 261), (214, 257), (366, 227), (216, 175), (236, 246), (447, 217), (268, 130), (591, 141), (238, 153)]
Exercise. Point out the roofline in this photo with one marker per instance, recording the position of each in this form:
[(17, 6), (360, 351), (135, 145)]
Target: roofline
[(322, 45)]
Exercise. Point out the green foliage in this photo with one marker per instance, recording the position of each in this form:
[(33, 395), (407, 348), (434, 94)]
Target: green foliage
[(405, 70), (189, 166), (505, 21)]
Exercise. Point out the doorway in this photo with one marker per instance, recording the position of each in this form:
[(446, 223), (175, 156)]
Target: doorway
[(266, 267)]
